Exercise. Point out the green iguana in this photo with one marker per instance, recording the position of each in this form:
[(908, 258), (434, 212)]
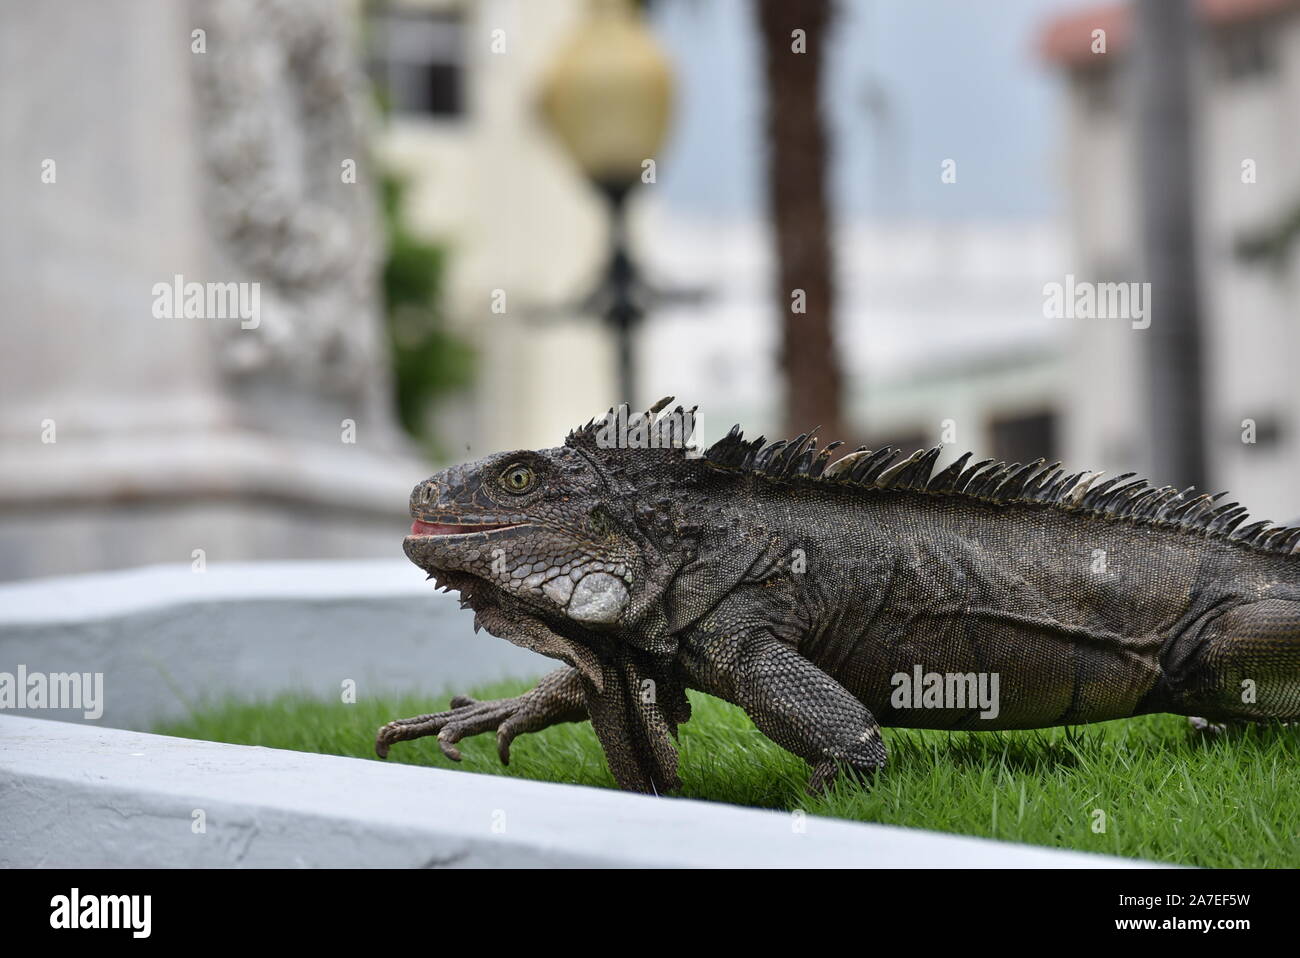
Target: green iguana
[(828, 597)]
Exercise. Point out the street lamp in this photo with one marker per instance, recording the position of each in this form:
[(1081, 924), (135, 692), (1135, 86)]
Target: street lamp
[(608, 98)]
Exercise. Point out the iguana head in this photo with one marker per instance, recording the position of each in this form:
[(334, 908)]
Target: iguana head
[(534, 526), (578, 533)]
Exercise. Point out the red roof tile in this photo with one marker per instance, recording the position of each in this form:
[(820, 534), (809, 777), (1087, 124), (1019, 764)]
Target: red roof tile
[(1067, 39)]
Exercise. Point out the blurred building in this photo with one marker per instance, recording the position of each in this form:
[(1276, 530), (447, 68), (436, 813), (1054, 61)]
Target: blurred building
[(525, 232), (1247, 96), (940, 329), (937, 322), (176, 435), (153, 148)]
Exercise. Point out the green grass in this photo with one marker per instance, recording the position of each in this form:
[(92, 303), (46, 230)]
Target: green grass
[(1167, 793)]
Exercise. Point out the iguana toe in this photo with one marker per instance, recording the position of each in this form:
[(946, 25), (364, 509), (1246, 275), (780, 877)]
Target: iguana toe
[(557, 698)]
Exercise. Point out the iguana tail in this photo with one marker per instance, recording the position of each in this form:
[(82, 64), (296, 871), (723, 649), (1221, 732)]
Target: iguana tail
[(1247, 665)]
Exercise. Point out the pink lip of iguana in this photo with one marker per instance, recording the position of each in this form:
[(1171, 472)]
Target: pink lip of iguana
[(421, 528)]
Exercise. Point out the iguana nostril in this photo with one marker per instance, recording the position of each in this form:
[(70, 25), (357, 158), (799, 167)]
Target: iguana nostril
[(424, 492)]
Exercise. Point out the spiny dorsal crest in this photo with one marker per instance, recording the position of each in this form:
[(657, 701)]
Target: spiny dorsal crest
[(1037, 482), (653, 429)]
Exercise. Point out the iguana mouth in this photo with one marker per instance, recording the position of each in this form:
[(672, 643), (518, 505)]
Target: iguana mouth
[(421, 528)]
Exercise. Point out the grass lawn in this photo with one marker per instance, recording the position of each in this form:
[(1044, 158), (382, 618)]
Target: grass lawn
[(1166, 793)]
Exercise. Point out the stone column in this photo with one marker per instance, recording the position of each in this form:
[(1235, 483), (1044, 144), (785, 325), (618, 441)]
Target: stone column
[(216, 149)]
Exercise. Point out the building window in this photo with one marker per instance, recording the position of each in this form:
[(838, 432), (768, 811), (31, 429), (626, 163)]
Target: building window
[(417, 60), (1024, 437), (1245, 52)]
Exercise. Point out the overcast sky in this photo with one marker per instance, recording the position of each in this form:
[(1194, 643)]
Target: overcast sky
[(910, 83)]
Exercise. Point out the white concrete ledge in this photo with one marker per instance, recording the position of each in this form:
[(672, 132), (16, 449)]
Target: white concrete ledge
[(167, 638), (85, 796)]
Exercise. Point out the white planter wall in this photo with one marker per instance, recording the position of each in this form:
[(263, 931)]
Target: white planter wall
[(165, 636)]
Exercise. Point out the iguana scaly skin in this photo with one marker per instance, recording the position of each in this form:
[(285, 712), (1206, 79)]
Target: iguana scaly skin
[(809, 590)]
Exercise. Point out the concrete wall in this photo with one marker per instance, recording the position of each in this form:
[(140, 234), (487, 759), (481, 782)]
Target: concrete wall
[(93, 797), (168, 637)]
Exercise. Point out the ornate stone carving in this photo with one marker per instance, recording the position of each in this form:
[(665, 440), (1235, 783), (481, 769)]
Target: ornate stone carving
[(283, 106)]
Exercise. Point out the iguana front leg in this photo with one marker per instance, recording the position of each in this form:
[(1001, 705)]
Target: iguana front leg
[(792, 702), (557, 698)]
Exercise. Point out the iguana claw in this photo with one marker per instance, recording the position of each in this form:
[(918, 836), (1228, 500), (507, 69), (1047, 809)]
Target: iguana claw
[(557, 698)]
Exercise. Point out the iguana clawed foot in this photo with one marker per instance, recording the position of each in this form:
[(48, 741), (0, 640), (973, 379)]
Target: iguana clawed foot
[(1198, 724), (825, 773), (465, 717), (557, 698)]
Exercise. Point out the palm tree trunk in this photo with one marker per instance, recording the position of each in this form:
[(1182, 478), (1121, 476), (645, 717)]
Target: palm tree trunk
[(796, 188)]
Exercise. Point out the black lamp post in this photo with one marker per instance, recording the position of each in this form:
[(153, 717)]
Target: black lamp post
[(608, 98), (624, 309)]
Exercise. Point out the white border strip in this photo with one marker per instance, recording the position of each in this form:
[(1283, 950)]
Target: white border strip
[(77, 795)]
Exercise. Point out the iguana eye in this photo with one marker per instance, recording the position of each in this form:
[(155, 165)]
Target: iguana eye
[(517, 479)]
